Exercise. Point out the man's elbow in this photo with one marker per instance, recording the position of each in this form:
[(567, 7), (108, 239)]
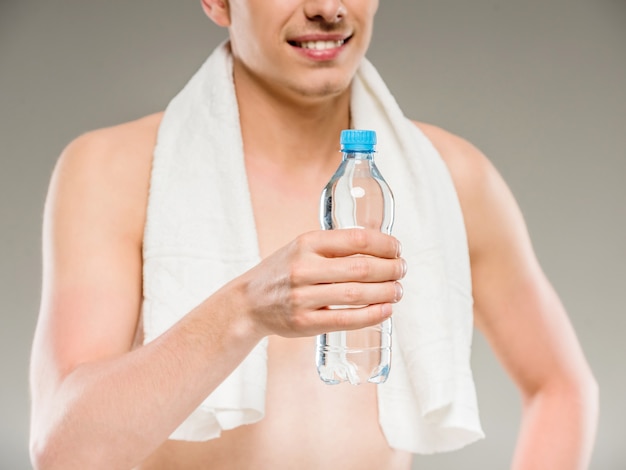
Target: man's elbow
[(590, 394), (41, 451), (578, 391), (44, 453), (584, 388), (47, 452)]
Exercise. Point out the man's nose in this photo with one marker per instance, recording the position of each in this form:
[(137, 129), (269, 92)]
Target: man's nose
[(329, 11)]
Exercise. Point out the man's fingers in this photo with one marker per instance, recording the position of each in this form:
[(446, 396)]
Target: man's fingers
[(353, 294), (347, 242), (347, 255), (356, 268), (360, 269), (339, 319)]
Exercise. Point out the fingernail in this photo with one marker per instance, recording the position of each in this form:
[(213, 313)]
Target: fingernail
[(399, 250), (404, 268), (386, 310), (399, 291)]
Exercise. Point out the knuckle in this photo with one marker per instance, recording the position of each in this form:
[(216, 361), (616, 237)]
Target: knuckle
[(301, 242), (298, 322), (297, 273), (296, 300), (359, 238), (341, 319), (360, 268), (352, 294)]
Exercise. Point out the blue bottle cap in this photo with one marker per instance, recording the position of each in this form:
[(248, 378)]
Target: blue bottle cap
[(358, 140)]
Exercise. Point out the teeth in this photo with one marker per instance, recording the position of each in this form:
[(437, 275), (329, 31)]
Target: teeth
[(321, 45)]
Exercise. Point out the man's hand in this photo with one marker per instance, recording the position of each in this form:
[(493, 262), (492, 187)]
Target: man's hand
[(288, 293)]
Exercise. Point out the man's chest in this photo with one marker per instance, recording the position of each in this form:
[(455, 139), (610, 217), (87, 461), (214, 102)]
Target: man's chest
[(283, 210)]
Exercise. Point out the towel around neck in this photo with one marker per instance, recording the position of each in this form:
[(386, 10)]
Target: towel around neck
[(200, 233)]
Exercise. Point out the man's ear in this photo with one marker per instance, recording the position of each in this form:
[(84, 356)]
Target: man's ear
[(218, 11)]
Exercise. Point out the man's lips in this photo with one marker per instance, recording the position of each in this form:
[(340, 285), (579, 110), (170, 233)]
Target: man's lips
[(319, 42)]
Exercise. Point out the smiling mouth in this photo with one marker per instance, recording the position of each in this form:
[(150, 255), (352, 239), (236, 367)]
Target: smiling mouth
[(319, 45)]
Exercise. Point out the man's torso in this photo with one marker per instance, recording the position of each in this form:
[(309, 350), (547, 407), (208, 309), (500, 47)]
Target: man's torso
[(308, 424)]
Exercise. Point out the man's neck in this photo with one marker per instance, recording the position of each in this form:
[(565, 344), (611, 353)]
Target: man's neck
[(288, 130)]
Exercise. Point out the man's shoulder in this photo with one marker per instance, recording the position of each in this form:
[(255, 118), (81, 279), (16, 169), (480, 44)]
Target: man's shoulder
[(107, 171), (111, 156), (483, 194), (466, 163), (133, 138)]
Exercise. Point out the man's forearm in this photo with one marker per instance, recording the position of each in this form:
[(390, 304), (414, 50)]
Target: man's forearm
[(558, 427), (112, 413)]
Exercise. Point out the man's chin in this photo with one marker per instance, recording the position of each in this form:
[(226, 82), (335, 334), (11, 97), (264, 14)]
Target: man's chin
[(323, 89)]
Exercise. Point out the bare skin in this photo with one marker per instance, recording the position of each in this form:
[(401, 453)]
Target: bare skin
[(95, 392)]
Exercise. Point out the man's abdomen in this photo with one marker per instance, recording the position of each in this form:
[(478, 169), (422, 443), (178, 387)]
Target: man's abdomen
[(307, 425)]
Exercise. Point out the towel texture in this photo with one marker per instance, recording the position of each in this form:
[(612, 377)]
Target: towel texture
[(200, 233)]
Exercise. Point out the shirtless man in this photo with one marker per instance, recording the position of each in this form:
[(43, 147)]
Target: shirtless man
[(85, 350)]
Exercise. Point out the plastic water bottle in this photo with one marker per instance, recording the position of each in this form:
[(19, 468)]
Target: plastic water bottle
[(356, 196)]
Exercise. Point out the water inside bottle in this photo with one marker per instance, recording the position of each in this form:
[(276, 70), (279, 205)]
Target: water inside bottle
[(357, 356)]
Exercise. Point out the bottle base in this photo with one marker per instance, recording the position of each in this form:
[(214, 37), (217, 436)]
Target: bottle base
[(349, 373), (368, 362)]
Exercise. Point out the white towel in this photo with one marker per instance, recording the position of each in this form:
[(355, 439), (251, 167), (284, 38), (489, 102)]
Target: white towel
[(200, 233)]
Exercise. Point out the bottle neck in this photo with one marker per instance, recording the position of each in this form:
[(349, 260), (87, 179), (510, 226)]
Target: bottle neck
[(360, 155)]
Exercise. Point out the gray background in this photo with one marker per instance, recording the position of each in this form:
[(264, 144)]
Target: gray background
[(538, 85)]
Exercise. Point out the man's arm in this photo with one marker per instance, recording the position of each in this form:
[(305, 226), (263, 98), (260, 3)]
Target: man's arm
[(99, 403), (95, 404), (522, 317)]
